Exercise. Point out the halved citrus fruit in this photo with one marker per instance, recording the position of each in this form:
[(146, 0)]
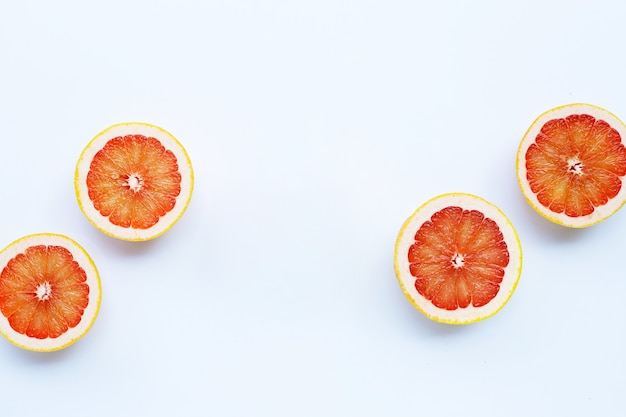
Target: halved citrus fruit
[(49, 292), (458, 259), (133, 181), (571, 164)]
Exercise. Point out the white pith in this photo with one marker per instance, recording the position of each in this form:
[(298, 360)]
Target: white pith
[(406, 238), (90, 312), (134, 182), (575, 166), (44, 291), (601, 212), (458, 260)]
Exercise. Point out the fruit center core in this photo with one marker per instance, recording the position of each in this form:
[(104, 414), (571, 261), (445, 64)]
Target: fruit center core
[(457, 261), (44, 291), (575, 166), (134, 182)]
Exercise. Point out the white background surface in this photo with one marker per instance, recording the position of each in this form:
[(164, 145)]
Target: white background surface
[(315, 128)]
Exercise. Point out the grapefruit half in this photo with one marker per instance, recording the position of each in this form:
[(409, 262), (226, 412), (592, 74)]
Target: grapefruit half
[(458, 259), (571, 165), (49, 292), (133, 181)]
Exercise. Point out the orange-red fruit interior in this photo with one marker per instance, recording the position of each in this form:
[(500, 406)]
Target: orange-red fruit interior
[(458, 258), (43, 292), (576, 164), (134, 181)]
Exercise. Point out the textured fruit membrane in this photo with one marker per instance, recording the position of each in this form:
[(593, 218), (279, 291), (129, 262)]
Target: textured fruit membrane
[(576, 164), (458, 258), (43, 292), (134, 181)]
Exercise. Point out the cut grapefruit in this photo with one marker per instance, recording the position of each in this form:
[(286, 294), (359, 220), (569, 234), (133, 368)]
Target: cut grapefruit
[(571, 164), (133, 181), (458, 259), (49, 292)]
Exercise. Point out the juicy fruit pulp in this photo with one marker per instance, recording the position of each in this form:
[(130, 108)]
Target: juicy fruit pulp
[(576, 164), (43, 291), (133, 181), (571, 165), (458, 259), (49, 292)]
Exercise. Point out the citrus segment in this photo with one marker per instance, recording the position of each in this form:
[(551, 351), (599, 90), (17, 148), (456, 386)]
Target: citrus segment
[(571, 164), (49, 292), (458, 258), (133, 181)]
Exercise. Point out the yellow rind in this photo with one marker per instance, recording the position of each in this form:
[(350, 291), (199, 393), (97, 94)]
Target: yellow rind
[(98, 300), (398, 272), (104, 229), (543, 211)]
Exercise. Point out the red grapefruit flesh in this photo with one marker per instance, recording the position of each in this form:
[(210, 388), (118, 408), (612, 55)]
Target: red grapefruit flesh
[(49, 292), (458, 259), (134, 181), (571, 164)]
